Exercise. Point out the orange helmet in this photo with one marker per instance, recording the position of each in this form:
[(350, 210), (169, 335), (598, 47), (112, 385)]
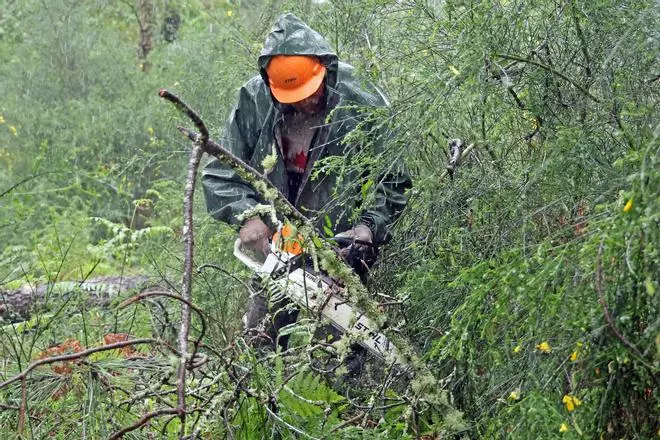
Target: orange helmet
[(293, 78)]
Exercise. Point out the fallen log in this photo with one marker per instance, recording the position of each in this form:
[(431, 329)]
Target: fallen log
[(18, 305)]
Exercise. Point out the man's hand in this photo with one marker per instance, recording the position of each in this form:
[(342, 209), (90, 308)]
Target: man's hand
[(360, 254), (254, 235), (358, 233)]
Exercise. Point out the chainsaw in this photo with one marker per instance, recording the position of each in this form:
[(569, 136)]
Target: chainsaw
[(285, 272)]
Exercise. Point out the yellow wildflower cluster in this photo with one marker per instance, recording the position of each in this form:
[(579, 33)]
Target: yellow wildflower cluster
[(571, 402), (563, 427), (576, 352), (13, 130), (628, 206), (544, 347)]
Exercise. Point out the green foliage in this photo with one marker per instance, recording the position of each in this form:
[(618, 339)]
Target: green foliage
[(529, 278), (553, 296)]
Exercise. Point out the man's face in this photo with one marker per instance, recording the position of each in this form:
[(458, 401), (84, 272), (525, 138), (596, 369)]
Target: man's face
[(312, 104)]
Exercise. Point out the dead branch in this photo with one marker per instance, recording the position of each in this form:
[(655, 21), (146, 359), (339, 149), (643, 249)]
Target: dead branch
[(72, 356), (186, 290)]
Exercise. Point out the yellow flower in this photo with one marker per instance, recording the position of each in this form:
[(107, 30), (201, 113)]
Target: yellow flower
[(563, 427), (150, 130), (544, 347), (571, 402), (13, 130), (2, 119), (230, 13), (574, 356), (515, 395), (517, 348), (628, 206)]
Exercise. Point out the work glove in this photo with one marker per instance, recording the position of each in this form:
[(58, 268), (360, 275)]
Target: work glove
[(357, 248), (254, 235)]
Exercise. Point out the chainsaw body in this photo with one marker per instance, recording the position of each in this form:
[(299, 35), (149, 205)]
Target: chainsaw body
[(284, 273)]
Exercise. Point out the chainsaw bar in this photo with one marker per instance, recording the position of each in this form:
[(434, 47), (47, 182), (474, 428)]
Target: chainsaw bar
[(285, 274)]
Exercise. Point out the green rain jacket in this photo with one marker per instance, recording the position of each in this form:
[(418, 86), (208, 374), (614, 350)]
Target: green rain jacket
[(250, 135)]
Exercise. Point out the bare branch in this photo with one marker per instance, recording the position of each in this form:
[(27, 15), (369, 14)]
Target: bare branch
[(186, 289), (21, 182), (185, 108)]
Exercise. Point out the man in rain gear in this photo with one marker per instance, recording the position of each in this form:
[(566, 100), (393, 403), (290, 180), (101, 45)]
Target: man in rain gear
[(286, 110)]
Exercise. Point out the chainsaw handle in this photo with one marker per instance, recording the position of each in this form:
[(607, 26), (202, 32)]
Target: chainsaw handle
[(347, 241), (244, 258)]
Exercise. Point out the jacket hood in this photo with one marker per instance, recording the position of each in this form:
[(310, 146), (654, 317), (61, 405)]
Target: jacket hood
[(291, 36)]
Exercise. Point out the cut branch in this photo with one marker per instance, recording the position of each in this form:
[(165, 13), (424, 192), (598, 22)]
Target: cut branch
[(464, 155), (185, 108), (186, 290)]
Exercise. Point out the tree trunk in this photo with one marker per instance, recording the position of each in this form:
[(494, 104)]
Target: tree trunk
[(145, 16)]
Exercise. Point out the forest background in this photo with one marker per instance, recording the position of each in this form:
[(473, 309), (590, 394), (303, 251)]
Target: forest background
[(528, 282)]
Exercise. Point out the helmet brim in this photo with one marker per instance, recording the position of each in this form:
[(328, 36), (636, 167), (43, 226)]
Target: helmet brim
[(291, 96)]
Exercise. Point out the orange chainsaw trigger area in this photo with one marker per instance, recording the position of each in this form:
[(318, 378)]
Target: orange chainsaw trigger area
[(289, 244)]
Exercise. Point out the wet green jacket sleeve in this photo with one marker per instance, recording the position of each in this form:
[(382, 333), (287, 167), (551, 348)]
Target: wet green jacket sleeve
[(227, 195)]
